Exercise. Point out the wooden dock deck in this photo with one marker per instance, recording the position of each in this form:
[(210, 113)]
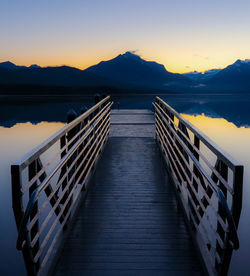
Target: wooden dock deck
[(127, 192), (130, 223)]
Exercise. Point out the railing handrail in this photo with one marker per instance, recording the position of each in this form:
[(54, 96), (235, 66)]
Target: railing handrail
[(193, 147), (32, 155), (232, 228), (208, 181), (46, 196), (46, 181), (226, 157)]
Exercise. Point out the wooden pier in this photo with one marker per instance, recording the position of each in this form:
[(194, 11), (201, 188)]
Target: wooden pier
[(157, 197)]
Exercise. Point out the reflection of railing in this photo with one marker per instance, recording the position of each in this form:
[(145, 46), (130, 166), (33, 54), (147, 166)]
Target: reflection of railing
[(42, 210), (209, 185)]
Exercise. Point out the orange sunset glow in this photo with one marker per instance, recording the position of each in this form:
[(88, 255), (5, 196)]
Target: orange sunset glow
[(183, 36)]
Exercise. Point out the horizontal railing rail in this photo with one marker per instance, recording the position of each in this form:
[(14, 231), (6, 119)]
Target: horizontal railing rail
[(209, 184), (48, 182)]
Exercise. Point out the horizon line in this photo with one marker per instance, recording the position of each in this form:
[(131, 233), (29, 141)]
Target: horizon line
[(84, 68)]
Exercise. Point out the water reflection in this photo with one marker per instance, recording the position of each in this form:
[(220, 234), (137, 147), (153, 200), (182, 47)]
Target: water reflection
[(236, 141), (54, 109), (36, 110), (17, 138), (15, 142)]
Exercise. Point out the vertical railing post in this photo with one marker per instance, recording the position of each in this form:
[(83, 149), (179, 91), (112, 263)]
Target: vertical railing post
[(95, 132), (17, 205), (64, 168), (224, 253), (237, 196), (71, 116), (196, 155), (236, 210), (81, 126), (35, 228), (194, 182)]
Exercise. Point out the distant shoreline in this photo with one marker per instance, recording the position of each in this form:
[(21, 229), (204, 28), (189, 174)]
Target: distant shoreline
[(61, 98)]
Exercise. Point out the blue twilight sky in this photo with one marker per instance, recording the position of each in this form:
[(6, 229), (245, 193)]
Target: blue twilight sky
[(184, 35)]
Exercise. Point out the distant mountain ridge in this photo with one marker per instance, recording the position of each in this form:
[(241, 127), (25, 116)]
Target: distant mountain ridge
[(136, 72), (234, 77), (58, 76), (10, 66), (125, 71), (129, 71), (200, 77)]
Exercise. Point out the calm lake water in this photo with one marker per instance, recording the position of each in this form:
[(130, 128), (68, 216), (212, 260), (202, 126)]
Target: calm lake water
[(25, 124)]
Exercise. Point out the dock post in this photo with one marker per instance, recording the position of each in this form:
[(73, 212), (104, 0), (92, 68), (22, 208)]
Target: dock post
[(71, 115)]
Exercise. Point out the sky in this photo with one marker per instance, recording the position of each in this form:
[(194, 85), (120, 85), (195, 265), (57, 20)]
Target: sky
[(183, 35)]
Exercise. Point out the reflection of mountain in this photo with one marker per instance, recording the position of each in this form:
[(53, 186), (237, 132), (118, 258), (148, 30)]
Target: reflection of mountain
[(50, 109), (47, 109), (218, 106)]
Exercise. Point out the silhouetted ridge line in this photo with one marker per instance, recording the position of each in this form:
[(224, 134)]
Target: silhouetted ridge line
[(129, 71)]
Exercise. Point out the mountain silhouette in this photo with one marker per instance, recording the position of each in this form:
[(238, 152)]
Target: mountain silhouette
[(59, 76), (234, 77), (10, 66), (201, 77), (125, 71), (128, 72), (133, 71)]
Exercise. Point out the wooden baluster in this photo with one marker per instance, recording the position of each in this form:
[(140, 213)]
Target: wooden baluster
[(64, 168), (196, 155), (17, 205), (32, 169), (71, 116), (49, 190), (223, 170), (82, 125), (95, 131), (236, 210), (237, 196), (196, 173), (183, 129), (207, 188)]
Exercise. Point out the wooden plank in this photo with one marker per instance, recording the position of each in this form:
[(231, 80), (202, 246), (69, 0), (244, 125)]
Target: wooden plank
[(131, 214), (132, 123)]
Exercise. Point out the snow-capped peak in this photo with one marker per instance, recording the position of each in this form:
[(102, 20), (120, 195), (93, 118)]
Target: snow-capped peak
[(246, 61), (240, 61)]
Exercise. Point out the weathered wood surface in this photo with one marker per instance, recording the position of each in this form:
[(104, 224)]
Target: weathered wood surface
[(130, 223), (132, 123)]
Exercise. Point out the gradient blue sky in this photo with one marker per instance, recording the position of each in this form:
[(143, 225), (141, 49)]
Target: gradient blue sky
[(183, 35)]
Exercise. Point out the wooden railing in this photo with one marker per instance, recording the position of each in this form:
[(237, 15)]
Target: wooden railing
[(48, 182), (208, 183)]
